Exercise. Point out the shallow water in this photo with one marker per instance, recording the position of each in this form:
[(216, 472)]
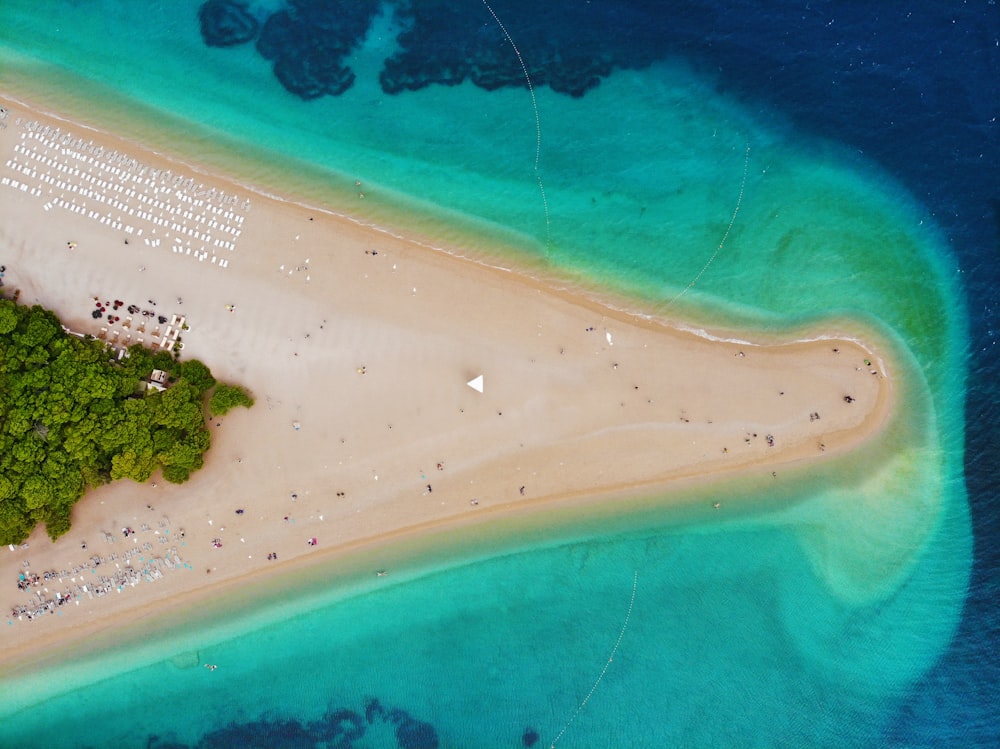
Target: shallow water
[(816, 617)]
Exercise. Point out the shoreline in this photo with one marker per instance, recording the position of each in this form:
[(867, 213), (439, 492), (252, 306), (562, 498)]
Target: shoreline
[(535, 271), (202, 616), (555, 364), (399, 209)]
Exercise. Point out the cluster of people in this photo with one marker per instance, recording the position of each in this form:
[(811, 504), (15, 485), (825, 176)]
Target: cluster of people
[(40, 606), (80, 581), (108, 308), (42, 603), (32, 579)]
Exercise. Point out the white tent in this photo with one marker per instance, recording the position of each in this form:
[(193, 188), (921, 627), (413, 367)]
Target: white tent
[(476, 383)]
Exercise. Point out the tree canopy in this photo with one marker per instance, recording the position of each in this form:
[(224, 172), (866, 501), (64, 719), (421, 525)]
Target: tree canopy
[(72, 417), (227, 397)]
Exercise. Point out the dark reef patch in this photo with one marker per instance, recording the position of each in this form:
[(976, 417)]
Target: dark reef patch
[(225, 23), (309, 41), (373, 710), (339, 727), (412, 733), (313, 74), (446, 44), (565, 45), (259, 734), (154, 742)]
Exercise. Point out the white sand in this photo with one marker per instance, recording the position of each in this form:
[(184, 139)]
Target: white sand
[(370, 355)]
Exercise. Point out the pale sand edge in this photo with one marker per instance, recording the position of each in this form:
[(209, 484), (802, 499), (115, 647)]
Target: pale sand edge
[(28, 651), (346, 566)]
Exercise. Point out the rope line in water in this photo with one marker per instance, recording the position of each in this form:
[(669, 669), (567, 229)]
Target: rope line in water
[(725, 236), (538, 120), (607, 665)]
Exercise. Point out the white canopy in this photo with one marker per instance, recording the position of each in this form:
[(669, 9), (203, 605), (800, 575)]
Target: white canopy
[(476, 383)]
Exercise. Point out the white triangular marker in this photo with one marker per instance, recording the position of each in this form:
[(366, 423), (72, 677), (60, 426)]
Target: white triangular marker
[(476, 384)]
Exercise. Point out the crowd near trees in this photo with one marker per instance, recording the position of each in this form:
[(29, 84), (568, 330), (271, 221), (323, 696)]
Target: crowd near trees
[(73, 416)]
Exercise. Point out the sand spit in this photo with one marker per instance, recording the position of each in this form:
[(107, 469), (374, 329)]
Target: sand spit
[(358, 346)]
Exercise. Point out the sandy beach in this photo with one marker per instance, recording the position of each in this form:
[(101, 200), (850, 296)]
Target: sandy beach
[(358, 345)]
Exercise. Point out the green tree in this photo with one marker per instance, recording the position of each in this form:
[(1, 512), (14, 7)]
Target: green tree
[(226, 397), (15, 523), (36, 492), (8, 316), (139, 361), (197, 375), (73, 417), (57, 521), (133, 464), (8, 488)]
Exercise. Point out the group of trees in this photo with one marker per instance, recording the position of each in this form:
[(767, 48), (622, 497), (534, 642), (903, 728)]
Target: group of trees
[(73, 416)]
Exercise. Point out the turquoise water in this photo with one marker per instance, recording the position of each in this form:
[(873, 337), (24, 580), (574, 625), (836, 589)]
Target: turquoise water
[(805, 619)]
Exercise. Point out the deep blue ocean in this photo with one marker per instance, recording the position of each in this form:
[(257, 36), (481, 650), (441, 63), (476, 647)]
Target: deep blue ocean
[(581, 134)]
